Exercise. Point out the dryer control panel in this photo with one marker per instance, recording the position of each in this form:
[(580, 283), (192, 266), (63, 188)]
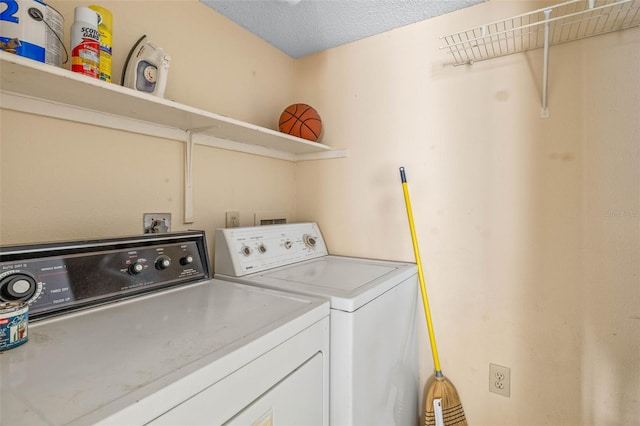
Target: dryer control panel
[(247, 250), (53, 278)]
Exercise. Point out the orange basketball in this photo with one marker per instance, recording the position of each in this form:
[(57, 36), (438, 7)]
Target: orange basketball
[(302, 121)]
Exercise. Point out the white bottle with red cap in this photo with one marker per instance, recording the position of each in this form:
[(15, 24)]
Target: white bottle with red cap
[(85, 42)]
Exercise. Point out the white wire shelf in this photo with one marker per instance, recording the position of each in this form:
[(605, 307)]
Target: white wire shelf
[(560, 23), (564, 22)]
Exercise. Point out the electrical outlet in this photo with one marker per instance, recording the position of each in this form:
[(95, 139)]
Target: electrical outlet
[(233, 219), (500, 380), (155, 223)]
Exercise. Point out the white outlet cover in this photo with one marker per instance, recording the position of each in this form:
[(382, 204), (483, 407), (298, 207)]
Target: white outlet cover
[(232, 219), (500, 380)]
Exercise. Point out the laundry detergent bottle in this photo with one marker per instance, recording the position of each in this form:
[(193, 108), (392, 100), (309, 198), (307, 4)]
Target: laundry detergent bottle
[(85, 42)]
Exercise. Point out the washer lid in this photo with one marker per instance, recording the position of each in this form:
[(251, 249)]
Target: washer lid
[(348, 282)]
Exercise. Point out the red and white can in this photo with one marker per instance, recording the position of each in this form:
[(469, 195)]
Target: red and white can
[(85, 42), (14, 318)]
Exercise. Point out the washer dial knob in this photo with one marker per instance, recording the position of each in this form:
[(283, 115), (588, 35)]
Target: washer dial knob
[(245, 250), (288, 244), (310, 241), (262, 249), (186, 260)]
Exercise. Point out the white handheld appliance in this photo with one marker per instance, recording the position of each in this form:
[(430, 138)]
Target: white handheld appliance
[(146, 68)]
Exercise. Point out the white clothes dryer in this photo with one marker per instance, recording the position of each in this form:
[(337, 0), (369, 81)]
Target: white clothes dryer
[(373, 355), (133, 331)]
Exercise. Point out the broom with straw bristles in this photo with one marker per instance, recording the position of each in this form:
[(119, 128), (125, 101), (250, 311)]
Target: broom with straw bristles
[(442, 406)]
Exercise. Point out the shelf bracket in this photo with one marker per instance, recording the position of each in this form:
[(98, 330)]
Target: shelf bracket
[(188, 178), (545, 72)]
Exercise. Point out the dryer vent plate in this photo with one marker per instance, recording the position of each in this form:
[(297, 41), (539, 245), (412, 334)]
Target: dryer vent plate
[(270, 218)]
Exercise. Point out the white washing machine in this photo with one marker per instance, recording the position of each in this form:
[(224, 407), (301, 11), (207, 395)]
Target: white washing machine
[(133, 331), (374, 358)]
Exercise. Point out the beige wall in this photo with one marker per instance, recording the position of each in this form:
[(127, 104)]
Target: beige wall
[(528, 227), (63, 180)]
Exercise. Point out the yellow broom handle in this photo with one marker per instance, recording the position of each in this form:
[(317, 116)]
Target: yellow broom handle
[(423, 289)]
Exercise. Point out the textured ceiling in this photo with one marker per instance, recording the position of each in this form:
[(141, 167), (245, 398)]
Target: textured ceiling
[(302, 27)]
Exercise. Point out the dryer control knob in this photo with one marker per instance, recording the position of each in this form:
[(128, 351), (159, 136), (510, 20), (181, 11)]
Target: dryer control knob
[(163, 262), (262, 249), (136, 268), (245, 250), (186, 260), (18, 286), (288, 244)]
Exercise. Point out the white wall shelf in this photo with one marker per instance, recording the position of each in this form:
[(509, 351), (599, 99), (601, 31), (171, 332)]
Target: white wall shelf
[(42, 89), (560, 23), (37, 88)]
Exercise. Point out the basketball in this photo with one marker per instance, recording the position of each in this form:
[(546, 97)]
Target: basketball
[(302, 121)]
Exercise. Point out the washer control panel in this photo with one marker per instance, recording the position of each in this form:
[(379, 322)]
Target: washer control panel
[(58, 277), (246, 250)]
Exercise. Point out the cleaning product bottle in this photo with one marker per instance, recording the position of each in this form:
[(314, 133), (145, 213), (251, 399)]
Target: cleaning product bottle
[(105, 28), (85, 42)]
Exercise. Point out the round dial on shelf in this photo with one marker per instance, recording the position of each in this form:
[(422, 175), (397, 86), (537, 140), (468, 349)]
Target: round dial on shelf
[(163, 262), (151, 73), (17, 286), (186, 260), (135, 268), (310, 241)]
